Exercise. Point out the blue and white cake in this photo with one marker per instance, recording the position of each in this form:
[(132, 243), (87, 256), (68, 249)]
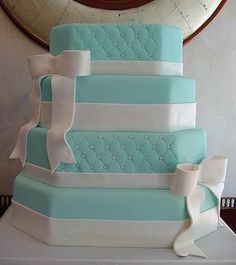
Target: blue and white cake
[(111, 155)]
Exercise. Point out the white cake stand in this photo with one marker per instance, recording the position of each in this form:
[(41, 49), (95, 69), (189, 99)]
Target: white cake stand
[(17, 248)]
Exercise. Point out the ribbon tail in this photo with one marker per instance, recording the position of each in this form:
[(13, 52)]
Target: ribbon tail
[(35, 101), (184, 242), (189, 249), (20, 148), (63, 152), (63, 105)]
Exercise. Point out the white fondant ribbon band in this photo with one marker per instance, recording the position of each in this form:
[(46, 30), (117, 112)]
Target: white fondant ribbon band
[(100, 232), (62, 118), (137, 68), (64, 68), (116, 117), (182, 182)]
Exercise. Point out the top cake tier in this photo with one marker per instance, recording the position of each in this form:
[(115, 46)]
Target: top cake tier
[(146, 42)]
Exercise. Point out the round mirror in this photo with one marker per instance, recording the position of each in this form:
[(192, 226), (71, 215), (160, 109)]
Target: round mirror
[(37, 17)]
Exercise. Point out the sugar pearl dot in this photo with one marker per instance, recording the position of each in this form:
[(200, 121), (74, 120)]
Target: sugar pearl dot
[(91, 167), (153, 147), (122, 167), (129, 157), (107, 146), (131, 137), (91, 146), (82, 155), (122, 147), (113, 157), (77, 146), (168, 147), (138, 147), (105, 167), (77, 165), (100, 136), (161, 158)]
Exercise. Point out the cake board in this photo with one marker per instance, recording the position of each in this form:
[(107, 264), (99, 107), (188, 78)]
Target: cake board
[(17, 248)]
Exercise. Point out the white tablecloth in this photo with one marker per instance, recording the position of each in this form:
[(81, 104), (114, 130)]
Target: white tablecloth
[(17, 248)]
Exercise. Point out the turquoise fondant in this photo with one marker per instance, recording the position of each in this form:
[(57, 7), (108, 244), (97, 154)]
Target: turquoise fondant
[(128, 89), (120, 41), (109, 204), (104, 151)]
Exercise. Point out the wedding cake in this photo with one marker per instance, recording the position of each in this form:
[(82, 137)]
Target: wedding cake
[(111, 155)]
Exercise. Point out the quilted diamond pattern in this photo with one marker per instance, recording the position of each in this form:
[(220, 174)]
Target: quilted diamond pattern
[(120, 41), (131, 152), (111, 152)]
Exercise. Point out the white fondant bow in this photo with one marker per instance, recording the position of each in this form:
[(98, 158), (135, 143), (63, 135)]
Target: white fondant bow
[(211, 173), (64, 68)]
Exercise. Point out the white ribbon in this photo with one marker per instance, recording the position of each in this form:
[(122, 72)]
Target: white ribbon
[(21, 144), (64, 68), (137, 68), (211, 173), (117, 117)]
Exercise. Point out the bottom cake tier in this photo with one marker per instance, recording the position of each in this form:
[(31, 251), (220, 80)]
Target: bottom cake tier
[(119, 217)]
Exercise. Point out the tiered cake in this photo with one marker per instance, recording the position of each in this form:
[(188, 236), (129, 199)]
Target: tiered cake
[(111, 155)]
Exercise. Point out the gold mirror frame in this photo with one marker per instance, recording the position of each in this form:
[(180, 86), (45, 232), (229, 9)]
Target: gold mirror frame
[(37, 17)]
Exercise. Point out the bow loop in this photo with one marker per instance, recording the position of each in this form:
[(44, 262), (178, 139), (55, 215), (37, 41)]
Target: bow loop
[(213, 170), (185, 179), (40, 65), (68, 63), (73, 63)]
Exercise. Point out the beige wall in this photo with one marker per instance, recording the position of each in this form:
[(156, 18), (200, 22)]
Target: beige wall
[(210, 60)]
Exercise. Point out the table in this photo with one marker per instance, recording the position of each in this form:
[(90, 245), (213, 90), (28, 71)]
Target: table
[(17, 248)]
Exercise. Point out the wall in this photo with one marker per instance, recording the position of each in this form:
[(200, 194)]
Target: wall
[(210, 60)]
